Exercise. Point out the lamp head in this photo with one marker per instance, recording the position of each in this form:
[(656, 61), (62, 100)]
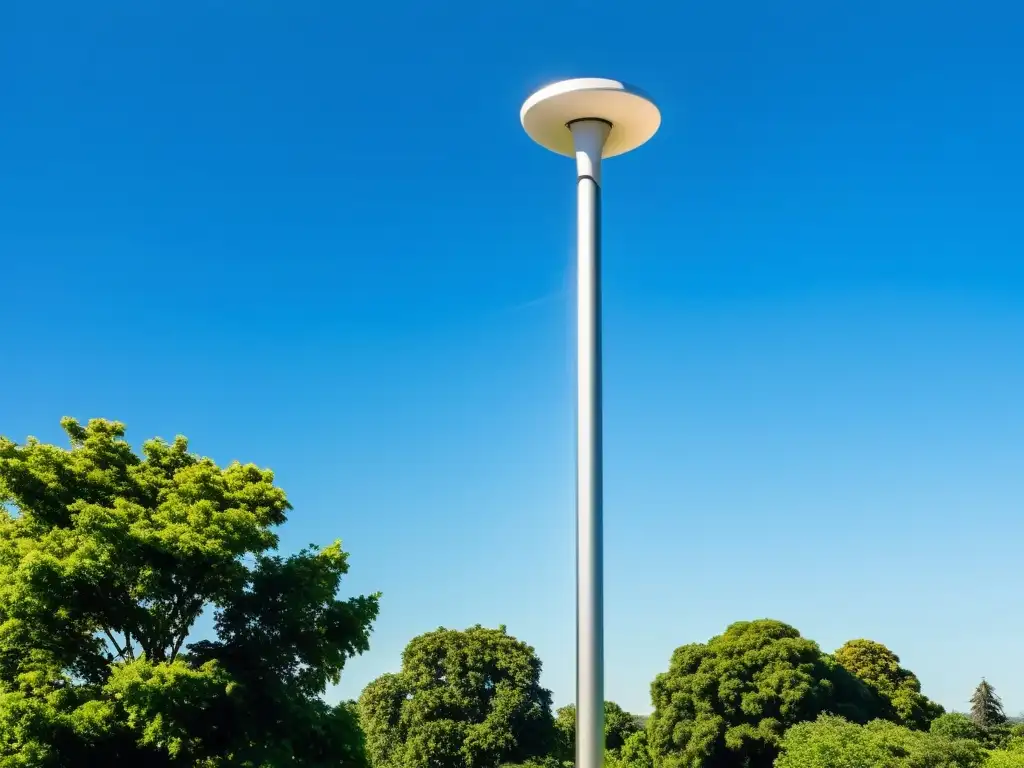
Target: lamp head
[(633, 116)]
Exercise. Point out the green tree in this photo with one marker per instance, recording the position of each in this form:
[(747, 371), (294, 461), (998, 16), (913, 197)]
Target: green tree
[(1012, 753), (727, 702), (1002, 758), (880, 668), (565, 734), (619, 725), (462, 698), (107, 559), (636, 753), (986, 707), (953, 725), (956, 725), (832, 742), (541, 762)]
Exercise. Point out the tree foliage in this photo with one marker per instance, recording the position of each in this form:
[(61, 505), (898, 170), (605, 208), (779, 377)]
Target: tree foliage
[(728, 701), (1012, 753), (832, 742), (986, 707), (1003, 758), (953, 725), (880, 668), (461, 699), (619, 725), (636, 753), (541, 762), (108, 558)]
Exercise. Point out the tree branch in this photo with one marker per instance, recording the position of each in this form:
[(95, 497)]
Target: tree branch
[(172, 617), (128, 652), (196, 608), (113, 642)]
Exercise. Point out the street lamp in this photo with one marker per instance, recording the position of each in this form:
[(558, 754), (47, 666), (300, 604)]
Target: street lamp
[(589, 118)]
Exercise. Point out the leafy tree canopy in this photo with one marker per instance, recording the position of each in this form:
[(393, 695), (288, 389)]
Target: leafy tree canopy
[(619, 725), (880, 668), (462, 699), (107, 558), (832, 742), (1002, 758), (1011, 756), (727, 702), (953, 725), (550, 761), (635, 753)]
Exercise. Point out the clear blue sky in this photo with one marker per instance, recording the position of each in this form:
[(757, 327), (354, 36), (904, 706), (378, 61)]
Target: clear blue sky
[(312, 235)]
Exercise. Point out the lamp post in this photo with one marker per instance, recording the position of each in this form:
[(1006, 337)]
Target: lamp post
[(589, 119)]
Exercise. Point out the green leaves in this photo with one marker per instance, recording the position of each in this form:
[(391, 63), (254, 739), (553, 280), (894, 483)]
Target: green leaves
[(953, 725), (1004, 759), (619, 726), (729, 701), (832, 742), (164, 703), (106, 561), (285, 625), (470, 698), (126, 545), (899, 688)]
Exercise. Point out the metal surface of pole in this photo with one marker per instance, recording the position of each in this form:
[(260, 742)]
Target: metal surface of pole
[(589, 137), (589, 118)]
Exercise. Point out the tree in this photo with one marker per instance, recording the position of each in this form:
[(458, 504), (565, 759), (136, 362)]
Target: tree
[(462, 698), (541, 762), (958, 726), (880, 668), (565, 733), (832, 742), (953, 725), (727, 702), (619, 725), (107, 559), (636, 753), (1011, 755), (1002, 758), (986, 707)]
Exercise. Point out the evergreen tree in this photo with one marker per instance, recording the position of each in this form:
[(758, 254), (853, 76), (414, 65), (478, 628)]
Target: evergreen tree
[(986, 707)]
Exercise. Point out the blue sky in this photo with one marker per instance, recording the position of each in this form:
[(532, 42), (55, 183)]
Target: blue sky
[(312, 235)]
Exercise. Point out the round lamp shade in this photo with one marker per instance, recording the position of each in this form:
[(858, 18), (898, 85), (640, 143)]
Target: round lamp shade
[(547, 113)]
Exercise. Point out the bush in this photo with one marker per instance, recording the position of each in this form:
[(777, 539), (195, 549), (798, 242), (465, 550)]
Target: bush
[(832, 742)]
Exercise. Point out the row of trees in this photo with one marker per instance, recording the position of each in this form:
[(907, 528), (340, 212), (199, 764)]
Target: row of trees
[(108, 557), (756, 696)]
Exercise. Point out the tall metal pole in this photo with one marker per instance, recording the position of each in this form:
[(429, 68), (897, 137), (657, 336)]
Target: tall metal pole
[(589, 118), (589, 137)]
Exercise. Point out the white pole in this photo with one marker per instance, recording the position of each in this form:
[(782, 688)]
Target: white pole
[(589, 137), (589, 118)]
